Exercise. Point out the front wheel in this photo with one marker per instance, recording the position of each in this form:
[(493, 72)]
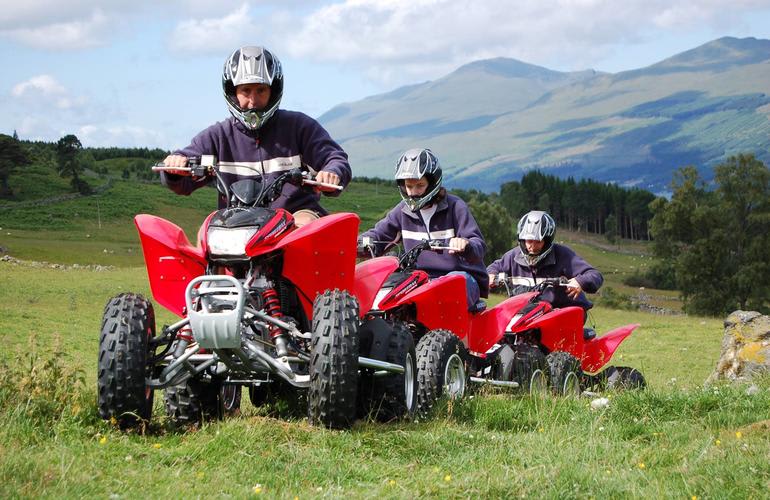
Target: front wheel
[(331, 399), (128, 324), (441, 370), (564, 370), (526, 365)]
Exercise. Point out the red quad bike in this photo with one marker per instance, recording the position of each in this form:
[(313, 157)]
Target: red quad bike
[(523, 342), (263, 304)]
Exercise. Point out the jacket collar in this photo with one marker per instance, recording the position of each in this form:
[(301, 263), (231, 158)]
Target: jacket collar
[(549, 260), (441, 205)]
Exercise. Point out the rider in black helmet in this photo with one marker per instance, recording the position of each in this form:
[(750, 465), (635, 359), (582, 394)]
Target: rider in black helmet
[(428, 212)]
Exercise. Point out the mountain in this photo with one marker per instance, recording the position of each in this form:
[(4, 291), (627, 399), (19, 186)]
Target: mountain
[(492, 120)]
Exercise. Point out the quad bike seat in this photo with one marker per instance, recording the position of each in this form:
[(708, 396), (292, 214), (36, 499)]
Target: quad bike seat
[(478, 307)]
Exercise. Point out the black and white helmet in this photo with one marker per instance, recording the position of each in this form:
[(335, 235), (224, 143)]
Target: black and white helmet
[(539, 226), (416, 164), (252, 65)]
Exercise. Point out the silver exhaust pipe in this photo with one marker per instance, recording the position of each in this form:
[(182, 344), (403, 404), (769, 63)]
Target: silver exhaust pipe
[(499, 383)]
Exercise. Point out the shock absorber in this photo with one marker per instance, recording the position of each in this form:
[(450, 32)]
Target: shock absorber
[(272, 307)]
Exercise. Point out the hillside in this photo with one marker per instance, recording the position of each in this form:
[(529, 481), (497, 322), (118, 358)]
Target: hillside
[(492, 120)]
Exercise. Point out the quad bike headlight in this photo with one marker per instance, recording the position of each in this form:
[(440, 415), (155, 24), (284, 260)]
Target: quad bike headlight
[(229, 242)]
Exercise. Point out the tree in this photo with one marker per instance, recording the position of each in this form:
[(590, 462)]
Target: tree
[(12, 155), (69, 165), (718, 242)]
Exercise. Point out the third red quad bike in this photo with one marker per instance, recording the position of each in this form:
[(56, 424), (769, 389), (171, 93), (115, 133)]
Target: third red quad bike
[(523, 342), (263, 304)]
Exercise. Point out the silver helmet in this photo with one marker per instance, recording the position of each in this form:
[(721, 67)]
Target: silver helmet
[(415, 164), (252, 65), (539, 226)]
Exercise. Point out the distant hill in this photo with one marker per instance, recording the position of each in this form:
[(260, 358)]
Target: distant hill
[(489, 121)]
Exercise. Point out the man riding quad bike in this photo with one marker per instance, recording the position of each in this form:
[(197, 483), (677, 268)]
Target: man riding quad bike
[(262, 303)]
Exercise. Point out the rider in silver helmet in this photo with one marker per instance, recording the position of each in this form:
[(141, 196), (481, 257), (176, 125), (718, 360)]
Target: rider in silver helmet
[(537, 256), (262, 139)]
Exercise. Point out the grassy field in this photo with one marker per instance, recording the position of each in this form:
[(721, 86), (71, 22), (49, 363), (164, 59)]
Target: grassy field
[(677, 439)]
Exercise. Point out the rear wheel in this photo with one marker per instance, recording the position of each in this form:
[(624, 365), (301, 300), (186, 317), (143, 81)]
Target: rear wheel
[(331, 399), (230, 399), (624, 378), (394, 395), (564, 371), (193, 401), (128, 324), (441, 370)]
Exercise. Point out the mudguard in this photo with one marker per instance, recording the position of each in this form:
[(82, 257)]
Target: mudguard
[(488, 327), (369, 278), (170, 259), (598, 351), (320, 255), (442, 303)]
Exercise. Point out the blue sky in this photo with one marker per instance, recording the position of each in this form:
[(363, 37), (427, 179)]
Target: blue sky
[(147, 73)]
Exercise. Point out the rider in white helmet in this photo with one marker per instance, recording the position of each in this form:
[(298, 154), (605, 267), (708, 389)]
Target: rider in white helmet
[(537, 256), (261, 139)]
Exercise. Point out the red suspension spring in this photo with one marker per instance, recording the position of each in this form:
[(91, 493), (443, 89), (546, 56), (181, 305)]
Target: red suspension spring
[(273, 308)]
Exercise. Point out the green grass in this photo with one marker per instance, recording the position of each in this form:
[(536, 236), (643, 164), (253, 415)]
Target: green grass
[(674, 440)]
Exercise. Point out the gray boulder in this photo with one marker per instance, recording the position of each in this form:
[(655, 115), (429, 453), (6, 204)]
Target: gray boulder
[(745, 347)]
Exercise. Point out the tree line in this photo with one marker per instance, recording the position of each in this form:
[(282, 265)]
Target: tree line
[(68, 157)]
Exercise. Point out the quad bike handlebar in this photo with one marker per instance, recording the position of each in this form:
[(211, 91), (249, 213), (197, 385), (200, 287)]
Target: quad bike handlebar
[(408, 260), (208, 166), (502, 279)]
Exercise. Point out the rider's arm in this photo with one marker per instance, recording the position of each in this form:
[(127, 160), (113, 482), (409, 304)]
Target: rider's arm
[(202, 144), (501, 265), (466, 227), (388, 229), (588, 277), (323, 154)]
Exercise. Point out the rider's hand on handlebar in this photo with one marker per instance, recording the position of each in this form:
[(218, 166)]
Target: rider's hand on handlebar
[(176, 161), (327, 178), (573, 289), (457, 245)]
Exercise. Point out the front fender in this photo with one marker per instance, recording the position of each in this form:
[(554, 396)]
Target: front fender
[(172, 262), (369, 278)]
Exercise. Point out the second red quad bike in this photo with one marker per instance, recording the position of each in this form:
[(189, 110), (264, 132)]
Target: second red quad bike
[(523, 342), (262, 304)]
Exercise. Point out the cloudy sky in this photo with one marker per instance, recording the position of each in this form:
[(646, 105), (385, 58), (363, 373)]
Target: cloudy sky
[(148, 73)]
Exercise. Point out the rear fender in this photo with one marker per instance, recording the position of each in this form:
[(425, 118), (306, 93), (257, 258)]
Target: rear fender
[(369, 278), (562, 330), (598, 351), (172, 262), (321, 255), (441, 303)]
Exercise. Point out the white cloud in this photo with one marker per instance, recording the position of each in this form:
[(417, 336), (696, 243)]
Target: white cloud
[(78, 34), (43, 90), (101, 135), (408, 40), (214, 35)]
